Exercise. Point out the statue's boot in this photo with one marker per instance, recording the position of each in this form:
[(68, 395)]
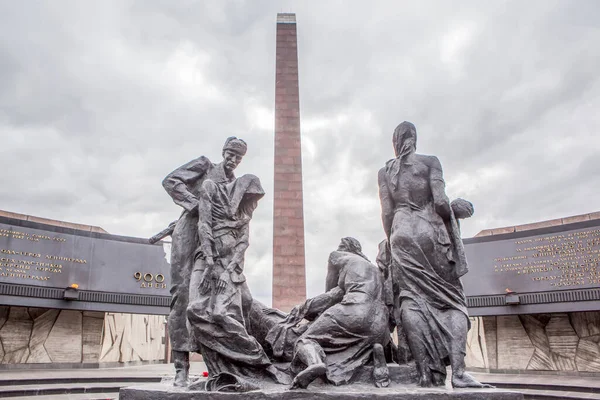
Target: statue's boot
[(311, 354), (181, 359), (305, 377), (381, 374)]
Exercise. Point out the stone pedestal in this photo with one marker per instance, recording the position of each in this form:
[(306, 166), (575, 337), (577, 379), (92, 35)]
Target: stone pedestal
[(319, 392), (403, 387)]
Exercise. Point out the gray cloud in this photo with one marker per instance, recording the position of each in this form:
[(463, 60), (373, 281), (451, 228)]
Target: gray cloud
[(98, 101)]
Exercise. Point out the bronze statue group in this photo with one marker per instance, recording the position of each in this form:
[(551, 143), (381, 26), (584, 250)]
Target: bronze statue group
[(414, 287)]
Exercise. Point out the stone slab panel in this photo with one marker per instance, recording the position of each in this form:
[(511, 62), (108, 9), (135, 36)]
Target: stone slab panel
[(38, 355), (16, 330), (35, 312), (514, 349), (41, 329), (92, 338), (594, 215), (132, 337), (4, 310), (94, 314), (155, 349), (585, 323), (112, 339), (16, 357), (502, 231), (64, 341), (561, 336), (541, 361), (126, 350), (563, 363), (476, 350), (9, 214), (538, 225), (491, 341), (576, 218), (320, 392), (139, 336), (587, 357), (535, 327)]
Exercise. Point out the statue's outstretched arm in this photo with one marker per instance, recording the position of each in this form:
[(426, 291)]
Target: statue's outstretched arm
[(313, 307), (333, 275), (318, 304), (176, 182)]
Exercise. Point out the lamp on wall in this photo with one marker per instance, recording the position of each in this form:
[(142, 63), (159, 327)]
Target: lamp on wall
[(71, 292), (512, 298)]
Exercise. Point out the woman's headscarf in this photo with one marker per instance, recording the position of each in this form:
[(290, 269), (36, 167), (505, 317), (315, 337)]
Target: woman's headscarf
[(405, 142)]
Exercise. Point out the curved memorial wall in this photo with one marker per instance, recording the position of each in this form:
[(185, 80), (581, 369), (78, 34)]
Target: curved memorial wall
[(534, 296), (74, 294)]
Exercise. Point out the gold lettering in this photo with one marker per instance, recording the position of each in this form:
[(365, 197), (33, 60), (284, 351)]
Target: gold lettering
[(149, 280), (558, 260)]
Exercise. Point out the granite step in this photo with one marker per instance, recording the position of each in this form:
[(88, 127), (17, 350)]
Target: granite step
[(557, 380), (63, 389), (77, 379), (75, 396), (540, 386), (533, 394)]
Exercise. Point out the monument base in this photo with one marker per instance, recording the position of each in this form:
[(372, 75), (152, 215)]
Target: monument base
[(403, 386), (316, 391)]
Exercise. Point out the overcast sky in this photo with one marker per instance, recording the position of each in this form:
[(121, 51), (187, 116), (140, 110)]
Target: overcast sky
[(99, 100)]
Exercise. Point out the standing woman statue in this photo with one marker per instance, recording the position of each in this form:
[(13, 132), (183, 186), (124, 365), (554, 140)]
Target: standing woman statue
[(427, 260)]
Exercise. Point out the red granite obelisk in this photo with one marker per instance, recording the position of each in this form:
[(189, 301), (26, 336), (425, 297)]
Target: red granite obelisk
[(289, 276)]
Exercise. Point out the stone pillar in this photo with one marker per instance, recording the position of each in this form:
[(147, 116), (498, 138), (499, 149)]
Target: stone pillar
[(289, 277)]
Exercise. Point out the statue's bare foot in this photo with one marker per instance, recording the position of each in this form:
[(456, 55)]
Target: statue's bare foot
[(465, 380), (381, 374), (304, 378)]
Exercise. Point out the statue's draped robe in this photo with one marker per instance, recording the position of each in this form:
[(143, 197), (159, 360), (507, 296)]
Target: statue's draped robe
[(348, 319), (426, 263), (219, 320)]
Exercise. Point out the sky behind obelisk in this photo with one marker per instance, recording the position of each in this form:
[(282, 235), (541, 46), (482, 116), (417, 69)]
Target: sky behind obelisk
[(100, 100)]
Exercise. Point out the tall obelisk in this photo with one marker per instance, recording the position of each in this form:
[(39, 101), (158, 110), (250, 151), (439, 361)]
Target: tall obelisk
[(289, 276)]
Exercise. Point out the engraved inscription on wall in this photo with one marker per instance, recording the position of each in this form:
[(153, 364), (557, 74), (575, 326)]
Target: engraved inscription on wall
[(559, 261), (555, 261), (44, 258), (31, 265)]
